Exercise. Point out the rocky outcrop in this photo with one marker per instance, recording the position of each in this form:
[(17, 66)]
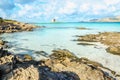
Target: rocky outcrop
[(61, 65), (111, 39), (9, 26)]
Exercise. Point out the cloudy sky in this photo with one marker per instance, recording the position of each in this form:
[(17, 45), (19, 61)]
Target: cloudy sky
[(62, 10)]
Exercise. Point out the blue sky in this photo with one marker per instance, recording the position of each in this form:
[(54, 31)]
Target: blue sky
[(62, 10)]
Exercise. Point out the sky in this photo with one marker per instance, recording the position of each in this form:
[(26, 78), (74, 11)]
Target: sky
[(61, 10)]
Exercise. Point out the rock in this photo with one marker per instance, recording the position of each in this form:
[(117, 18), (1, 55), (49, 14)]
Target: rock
[(61, 54), (4, 53), (10, 26), (85, 69), (111, 39), (88, 38), (114, 50), (2, 42), (27, 57), (6, 64), (23, 57), (84, 43), (83, 28), (42, 53), (62, 65), (29, 73)]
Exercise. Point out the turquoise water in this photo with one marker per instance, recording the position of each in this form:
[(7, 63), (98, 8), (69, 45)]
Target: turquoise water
[(115, 26), (61, 36)]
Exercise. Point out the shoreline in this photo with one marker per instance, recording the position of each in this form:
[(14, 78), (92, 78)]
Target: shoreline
[(10, 26), (59, 59)]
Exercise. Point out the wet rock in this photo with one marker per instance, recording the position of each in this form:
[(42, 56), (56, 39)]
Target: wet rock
[(42, 53), (23, 57)]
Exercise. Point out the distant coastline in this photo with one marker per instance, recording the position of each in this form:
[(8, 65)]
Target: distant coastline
[(107, 19), (70, 22)]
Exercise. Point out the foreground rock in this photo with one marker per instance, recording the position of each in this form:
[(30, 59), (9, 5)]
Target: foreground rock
[(62, 65), (9, 26), (111, 39)]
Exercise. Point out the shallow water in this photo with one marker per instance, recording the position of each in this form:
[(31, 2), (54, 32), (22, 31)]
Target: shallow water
[(61, 35)]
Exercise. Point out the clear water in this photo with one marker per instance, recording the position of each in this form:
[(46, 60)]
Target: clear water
[(61, 35)]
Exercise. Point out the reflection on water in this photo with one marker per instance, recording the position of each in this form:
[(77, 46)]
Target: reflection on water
[(56, 36)]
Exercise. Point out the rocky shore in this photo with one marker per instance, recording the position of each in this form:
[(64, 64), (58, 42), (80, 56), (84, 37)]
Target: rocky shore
[(9, 26), (61, 65), (111, 39)]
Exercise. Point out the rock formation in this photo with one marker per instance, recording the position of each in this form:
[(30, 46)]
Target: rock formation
[(61, 65), (111, 39), (9, 26)]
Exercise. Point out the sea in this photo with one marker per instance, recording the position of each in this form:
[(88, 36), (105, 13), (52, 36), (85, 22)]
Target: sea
[(55, 36)]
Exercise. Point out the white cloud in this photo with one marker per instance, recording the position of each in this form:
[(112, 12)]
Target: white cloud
[(68, 8), (98, 8), (112, 2), (112, 8), (62, 9), (24, 9), (84, 7), (27, 11)]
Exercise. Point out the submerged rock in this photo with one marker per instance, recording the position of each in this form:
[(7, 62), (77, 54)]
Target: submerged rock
[(84, 43), (83, 28)]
